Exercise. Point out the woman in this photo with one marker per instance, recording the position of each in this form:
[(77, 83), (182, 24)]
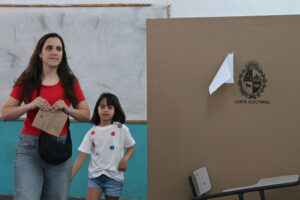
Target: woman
[(48, 69)]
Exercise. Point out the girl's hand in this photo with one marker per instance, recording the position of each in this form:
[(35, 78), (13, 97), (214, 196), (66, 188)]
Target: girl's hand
[(123, 164), (60, 105), (40, 103)]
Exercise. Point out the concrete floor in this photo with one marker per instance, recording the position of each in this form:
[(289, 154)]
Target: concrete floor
[(10, 197)]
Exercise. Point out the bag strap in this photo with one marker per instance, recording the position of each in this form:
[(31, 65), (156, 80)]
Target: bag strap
[(68, 120)]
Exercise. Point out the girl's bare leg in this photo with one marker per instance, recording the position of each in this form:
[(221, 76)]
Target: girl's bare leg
[(111, 198), (93, 194)]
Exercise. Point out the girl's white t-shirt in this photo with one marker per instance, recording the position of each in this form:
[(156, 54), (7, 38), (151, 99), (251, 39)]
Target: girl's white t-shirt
[(106, 146)]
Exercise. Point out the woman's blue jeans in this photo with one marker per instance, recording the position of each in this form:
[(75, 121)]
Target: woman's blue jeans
[(35, 179)]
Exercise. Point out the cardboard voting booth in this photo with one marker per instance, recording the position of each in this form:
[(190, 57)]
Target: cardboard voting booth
[(243, 131)]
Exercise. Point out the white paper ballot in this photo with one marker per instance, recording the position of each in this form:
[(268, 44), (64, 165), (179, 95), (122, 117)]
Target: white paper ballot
[(224, 75)]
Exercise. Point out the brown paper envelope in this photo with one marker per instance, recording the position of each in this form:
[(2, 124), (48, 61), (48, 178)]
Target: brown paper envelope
[(50, 122)]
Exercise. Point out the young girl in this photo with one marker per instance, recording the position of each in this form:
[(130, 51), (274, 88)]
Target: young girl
[(105, 142)]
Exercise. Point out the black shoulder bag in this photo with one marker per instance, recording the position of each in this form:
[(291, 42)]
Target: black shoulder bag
[(51, 150)]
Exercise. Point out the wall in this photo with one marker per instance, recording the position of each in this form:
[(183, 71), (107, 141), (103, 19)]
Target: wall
[(218, 8), (135, 178), (196, 8), (160, 2), (108, 41)]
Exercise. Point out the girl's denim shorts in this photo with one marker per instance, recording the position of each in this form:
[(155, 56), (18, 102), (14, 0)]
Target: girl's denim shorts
[(109, 186)]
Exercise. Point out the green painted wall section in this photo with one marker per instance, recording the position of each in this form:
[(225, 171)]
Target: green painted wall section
[(135, 186)]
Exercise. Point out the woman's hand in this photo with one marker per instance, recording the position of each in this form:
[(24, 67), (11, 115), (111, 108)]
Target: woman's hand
[(40, 103), (60, 105)]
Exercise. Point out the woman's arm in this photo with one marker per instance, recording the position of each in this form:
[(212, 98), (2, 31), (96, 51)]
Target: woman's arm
[(13, 109), (81, 112), (123, 163), (78, 163)]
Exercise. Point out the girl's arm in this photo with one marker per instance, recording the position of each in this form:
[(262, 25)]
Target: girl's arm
[(78, 163), (123, 163), (13, 109), (81, 112)]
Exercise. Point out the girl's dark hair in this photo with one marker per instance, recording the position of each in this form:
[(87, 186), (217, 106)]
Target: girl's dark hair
[(112, 100), (31, 76)]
